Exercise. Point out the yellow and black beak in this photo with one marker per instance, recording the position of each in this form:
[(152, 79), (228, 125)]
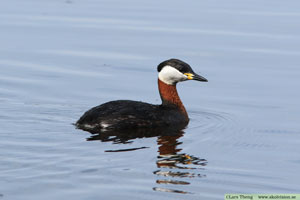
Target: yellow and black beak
[(196, 77)]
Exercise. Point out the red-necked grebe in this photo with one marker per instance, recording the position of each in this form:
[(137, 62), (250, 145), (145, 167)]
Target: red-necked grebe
[(127, 114)]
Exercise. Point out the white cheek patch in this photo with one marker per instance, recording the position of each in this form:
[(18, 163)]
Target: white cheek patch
[(171, 76)]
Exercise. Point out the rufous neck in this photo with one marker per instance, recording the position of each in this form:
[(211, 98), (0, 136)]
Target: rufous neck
[(169, 96)]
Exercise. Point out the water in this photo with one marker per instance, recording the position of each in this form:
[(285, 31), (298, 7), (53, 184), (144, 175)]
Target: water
[(60, 58)]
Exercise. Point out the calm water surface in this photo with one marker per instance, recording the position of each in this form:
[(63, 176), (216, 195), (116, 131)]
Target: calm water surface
[(60, 58)]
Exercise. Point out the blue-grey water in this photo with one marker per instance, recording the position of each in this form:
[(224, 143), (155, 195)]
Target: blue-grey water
[(58, 58)]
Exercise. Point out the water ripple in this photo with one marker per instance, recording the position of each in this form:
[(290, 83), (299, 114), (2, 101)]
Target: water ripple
[(207, 121)]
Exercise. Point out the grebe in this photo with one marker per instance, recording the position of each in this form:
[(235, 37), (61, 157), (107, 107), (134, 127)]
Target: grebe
[(129, 115)]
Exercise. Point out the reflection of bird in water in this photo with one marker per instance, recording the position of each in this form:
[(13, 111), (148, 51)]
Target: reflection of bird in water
[(126, 136), (179, 165), (170, 158), (130, 115)]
